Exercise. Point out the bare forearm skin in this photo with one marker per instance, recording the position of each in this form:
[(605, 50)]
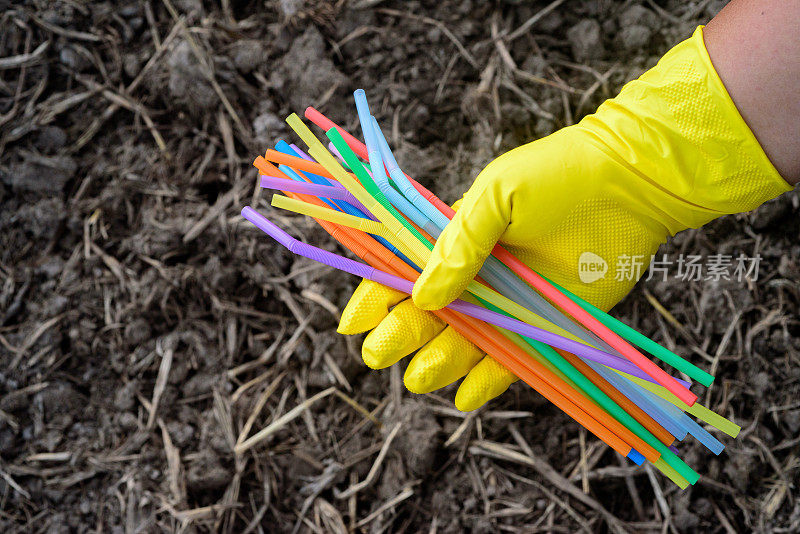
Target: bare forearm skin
[(755, 48)]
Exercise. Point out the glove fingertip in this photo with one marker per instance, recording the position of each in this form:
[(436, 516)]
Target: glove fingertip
[(357, 320), (372, 360), (436, 287), (367, 307), (468, 403), (487, 380)]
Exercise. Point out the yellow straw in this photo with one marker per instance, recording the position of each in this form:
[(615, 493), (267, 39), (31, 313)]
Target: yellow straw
[(330, 215), (670, 473), (698, 410)]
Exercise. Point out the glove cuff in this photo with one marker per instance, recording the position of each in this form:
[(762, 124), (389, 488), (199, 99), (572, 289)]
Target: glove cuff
[(690, 150)]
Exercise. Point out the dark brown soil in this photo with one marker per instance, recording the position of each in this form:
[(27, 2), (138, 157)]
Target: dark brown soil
[(146, 330)]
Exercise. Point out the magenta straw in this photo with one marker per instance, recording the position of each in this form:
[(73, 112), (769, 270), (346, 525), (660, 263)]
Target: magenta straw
[(370, 273)]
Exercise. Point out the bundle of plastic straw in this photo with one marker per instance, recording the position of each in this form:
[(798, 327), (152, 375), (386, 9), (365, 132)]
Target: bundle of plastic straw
[(581, 359)]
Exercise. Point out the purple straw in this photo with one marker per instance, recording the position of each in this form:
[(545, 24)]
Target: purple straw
[(370, 273), (306, 188), (300, 152)]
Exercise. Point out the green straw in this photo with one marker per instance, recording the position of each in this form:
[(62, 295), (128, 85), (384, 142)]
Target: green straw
[(639, 339)]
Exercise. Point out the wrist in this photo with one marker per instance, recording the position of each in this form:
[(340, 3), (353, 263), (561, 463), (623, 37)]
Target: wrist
[(689, 154)]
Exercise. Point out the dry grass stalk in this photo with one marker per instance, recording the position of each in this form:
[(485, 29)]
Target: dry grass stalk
[(282, 421), (161, 381), (373, 471), (177, 486), (499, 451)]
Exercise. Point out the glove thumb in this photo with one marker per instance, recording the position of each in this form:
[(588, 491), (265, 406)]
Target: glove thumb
[(465, 243)]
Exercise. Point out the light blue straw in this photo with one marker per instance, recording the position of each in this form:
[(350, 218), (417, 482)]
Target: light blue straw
[(700, 434), (671, 424)]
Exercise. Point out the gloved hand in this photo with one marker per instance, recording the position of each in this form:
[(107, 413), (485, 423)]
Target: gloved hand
[(670, 152)]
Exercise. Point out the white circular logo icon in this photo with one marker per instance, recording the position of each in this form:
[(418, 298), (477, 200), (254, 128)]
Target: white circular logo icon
[(591, 267)]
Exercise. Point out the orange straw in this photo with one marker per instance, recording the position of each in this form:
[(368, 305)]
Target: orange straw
[(298, 164)]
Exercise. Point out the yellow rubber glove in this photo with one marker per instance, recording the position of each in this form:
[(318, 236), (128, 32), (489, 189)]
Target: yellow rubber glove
[(670, 152)]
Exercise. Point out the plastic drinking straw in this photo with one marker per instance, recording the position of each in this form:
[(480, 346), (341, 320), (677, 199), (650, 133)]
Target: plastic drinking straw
[(478, 312), (593, 391), (379, 172), (672, 424), (698, 410), (393, 263), (337, 217), (326, 191), (554, 395), (673, 475), (527, 274)]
